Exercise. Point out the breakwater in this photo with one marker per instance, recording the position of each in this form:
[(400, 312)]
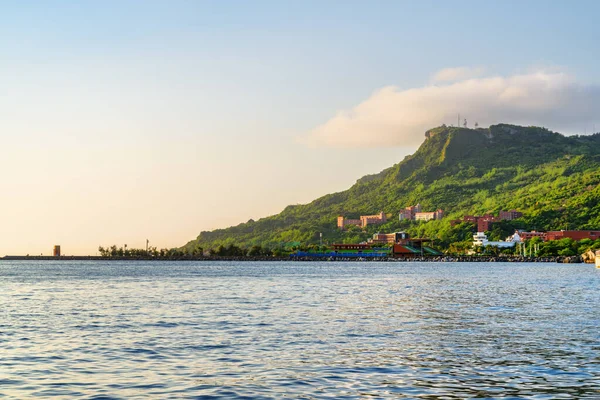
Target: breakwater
[(292, 258), (469, 259)]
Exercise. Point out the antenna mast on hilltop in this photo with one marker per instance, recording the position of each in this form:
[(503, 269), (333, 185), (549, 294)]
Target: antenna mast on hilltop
[(458, 121)]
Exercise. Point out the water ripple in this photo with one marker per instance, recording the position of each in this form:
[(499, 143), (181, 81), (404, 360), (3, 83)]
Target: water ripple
[(224, 330)]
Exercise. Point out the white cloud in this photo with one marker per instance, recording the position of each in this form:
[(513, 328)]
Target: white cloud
[(457, 74), (394, 117)]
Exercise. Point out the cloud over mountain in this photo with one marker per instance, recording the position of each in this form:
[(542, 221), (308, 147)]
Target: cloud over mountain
[(457, 74), (395, 117)]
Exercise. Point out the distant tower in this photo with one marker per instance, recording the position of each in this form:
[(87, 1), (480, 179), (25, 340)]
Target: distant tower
[(56, 251)]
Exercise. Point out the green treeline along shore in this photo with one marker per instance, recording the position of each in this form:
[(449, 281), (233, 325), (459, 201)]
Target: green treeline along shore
[(553, 179)]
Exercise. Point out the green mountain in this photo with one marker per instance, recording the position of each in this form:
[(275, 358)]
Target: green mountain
[(553, 179)]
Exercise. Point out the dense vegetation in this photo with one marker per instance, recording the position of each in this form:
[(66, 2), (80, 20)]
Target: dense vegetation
[(564, 247), (553, 179), (190, 252)]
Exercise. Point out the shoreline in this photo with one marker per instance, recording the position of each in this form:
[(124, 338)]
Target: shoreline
[(468, 259)]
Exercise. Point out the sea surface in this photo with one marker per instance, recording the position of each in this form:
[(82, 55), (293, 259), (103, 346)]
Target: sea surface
[(145, 330)]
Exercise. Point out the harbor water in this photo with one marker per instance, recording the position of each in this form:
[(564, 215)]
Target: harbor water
[(127, 330)]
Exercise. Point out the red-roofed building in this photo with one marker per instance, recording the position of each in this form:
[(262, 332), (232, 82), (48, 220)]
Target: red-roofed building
[(484, 222), (532, 234), (557, 235), (575, 235)]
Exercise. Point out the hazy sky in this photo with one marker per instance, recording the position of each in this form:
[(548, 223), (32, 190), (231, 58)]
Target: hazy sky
[(127, 120)]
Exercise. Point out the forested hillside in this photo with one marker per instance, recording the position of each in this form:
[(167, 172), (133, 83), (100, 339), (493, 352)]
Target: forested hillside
[(553, 179)]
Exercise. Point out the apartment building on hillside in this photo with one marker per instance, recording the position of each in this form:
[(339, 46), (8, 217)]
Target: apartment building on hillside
[(428, 216), (414, 213), (363, 221)]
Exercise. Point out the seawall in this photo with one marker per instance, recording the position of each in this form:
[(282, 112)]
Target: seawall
[(558, 259)]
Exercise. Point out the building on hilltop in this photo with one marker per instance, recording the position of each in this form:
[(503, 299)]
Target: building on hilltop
[(409, 212), (373, 219), (344, 222), (466, 218), (428, 216), (363, 221), (414, 213), (484, 222)]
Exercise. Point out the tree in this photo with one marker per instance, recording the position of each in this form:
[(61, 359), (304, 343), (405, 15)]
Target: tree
[(103, 252), (197, 251), (566, 252), (460, 247), (255, 251), (278, 252), (536, 240), (219, 251)]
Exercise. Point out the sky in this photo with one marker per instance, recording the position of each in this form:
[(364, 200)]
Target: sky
[(122, 121)]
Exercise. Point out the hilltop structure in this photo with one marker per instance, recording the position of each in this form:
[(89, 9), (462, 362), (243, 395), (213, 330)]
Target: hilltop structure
[(484, 222), (414, 213), (343, 222), (410, 212), (363, 221), (429, 215)]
